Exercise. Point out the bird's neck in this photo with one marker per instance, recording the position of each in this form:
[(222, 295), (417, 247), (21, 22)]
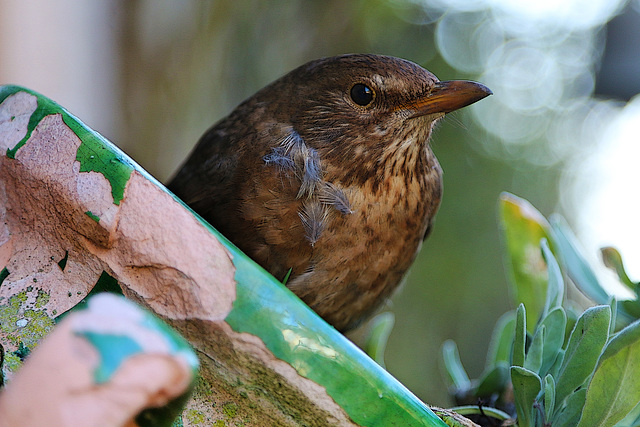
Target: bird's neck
[(381, 170)]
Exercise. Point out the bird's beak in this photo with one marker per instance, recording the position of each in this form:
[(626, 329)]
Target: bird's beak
[(448, 96)]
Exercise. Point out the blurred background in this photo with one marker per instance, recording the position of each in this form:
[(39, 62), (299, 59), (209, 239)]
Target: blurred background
[(562, 129)]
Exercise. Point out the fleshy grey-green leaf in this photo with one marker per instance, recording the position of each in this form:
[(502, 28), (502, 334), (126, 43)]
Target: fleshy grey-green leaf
[(520, 337), (526, 386), (493, 381), (379, 332), (570, 414), (615, 388), (549, 397), (501, 340), (555, 286), (533, 360), (456, 375), (554, 323), (577, 267), (585, 345)]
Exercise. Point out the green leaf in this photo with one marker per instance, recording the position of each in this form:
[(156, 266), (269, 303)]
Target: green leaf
[(470, 410), (286, 277), (615, 387), (585, 345), (549, 397), (632, 419), (630, 307), (456, 417), (526, 387), (533, 360), (501, 340), (520, 338), (456, 375), (613, 260), (379, 332), (577, 267), (555, 287), (555, 367), (523, 227), (493, 381), (573, 312), (613, 303), (554, 323), (570, 413)]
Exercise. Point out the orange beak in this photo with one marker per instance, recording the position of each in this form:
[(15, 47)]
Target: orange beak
[(449, 96)]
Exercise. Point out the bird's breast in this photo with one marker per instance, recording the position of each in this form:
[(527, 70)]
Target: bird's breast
[(347, 241), (386, 223), (361, 256)]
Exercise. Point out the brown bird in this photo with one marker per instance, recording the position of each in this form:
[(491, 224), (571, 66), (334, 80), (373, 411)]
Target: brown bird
[(328, 172)]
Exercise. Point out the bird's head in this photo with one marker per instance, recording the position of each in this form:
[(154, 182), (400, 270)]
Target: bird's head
[(372, 110), (363, 99)]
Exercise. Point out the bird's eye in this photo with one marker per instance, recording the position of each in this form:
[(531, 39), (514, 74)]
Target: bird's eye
[(362, 94)]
